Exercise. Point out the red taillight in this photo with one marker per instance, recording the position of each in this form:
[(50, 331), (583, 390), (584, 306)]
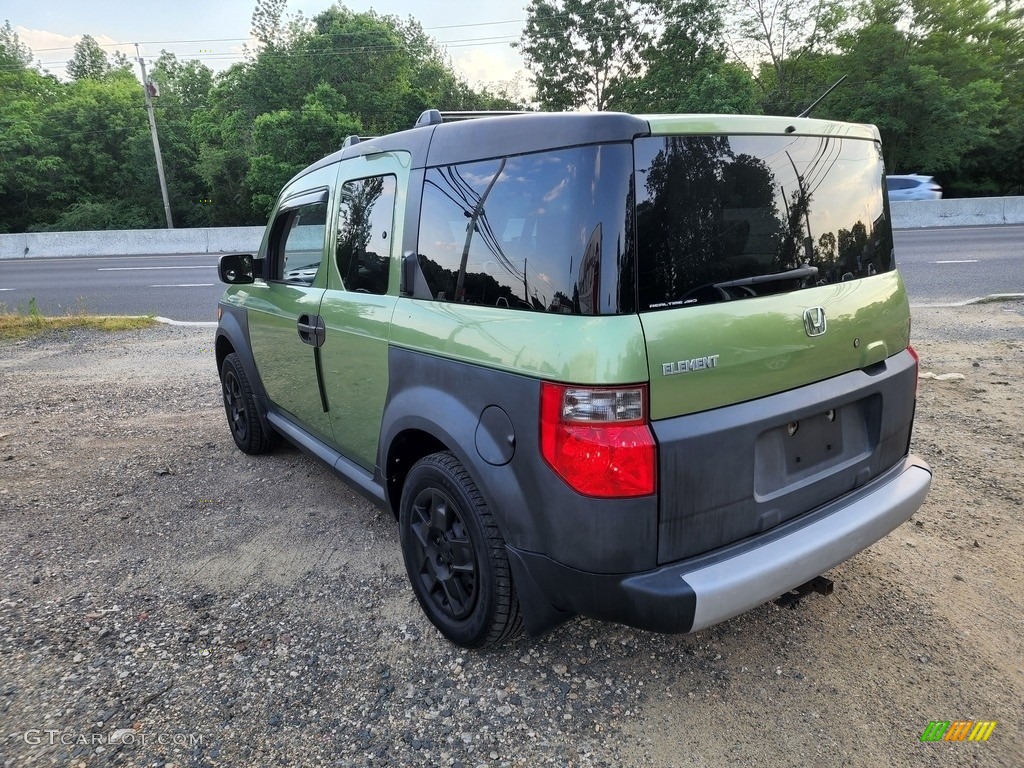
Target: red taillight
[(917, 366), (598, 440)]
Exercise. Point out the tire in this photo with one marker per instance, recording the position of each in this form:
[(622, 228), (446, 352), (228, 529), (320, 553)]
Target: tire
[(455, 555), (240, 407)]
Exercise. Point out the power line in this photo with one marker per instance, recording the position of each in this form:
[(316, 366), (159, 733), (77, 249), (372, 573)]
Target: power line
[(247, 39)]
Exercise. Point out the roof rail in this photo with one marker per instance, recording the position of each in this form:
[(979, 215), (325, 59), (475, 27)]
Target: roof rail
[(351, 140), (436, 117)]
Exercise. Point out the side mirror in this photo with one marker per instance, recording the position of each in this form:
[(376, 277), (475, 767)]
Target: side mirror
[(236, 268)]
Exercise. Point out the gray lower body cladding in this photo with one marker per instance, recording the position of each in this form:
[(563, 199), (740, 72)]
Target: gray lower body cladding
[(734, 509), (739, 471), (698, 592)]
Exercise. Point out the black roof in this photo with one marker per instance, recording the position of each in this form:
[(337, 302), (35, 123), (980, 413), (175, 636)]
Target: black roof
[(486, 137)]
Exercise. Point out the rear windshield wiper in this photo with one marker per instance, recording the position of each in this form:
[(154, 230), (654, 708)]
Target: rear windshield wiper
[(793, 274)]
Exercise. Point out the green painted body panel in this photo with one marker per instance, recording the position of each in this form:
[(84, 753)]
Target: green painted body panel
[(355, 353), (691, 125), (569, 348), (354, 358), (763, 347), (286, 363)]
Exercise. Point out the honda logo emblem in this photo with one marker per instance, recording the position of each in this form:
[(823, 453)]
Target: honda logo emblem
[(814, 321)]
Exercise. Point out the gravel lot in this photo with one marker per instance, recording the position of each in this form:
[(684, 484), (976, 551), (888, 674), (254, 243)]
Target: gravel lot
[(166, 600)]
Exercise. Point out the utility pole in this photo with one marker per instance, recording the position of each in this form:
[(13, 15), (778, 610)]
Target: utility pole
[(156, 140)]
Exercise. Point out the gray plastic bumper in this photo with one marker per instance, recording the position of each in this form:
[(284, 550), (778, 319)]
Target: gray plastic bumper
[(692, 594), (737, 583)]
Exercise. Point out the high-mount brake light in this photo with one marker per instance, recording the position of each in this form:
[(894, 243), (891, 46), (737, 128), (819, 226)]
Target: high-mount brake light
[(598, 439)]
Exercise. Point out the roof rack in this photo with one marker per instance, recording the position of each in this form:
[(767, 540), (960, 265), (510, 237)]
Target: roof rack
[(436, 117), (351, 140)]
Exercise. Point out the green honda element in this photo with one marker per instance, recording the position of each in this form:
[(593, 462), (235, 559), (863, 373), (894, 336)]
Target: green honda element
[(649, 369)]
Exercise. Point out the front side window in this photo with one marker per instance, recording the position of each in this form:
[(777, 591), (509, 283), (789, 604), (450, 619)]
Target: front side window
[(721, 218), (297, 243), (546, 232), (365, 220)]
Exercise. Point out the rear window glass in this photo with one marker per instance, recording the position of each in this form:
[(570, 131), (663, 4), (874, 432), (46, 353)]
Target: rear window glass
[(546, 232), (721, 218)]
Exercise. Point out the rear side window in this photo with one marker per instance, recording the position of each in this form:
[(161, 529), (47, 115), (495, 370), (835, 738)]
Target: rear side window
[(721, 218), (365, 218), (545, 232)]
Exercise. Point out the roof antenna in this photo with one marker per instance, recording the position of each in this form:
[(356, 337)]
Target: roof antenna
[(817, 101)]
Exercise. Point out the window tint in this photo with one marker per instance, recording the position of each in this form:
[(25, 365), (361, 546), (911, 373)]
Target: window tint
[(298, 243), (892, 183), (546, 232), (715, 211), (365, 221)]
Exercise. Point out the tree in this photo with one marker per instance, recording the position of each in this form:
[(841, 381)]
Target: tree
[(580, 53), (14, 54), (88, 60), (686, 69), (996, 165), (266, 22), (99, 130), (286, 141), (781, 33), (28, 164), (925, 74), (184, 93)]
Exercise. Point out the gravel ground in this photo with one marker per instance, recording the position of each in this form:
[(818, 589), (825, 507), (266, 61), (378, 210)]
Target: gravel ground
[(168, 601)]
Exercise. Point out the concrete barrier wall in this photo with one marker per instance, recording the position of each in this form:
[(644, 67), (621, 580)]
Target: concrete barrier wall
[(961, 212), (132, 242), (138, 242)]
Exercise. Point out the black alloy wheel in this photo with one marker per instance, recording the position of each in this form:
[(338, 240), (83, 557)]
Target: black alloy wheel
[(455, 555), (447, 565), (240, 407)]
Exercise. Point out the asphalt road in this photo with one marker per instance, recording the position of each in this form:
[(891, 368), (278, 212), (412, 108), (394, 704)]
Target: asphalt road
[(955, 264), (939, 266), (177, 287)]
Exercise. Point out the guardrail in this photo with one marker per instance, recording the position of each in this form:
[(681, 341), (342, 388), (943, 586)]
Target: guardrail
[(141, 242)]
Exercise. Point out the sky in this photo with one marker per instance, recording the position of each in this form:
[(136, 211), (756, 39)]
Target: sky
[(476, 34)]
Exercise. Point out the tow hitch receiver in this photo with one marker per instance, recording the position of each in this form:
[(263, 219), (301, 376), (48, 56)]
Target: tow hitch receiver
[(818, 584)]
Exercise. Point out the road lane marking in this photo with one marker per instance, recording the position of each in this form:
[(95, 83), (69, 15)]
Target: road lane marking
[(992, 297), (168, 321), (184, 285), (957, 261), (134, 269), (6, 289)]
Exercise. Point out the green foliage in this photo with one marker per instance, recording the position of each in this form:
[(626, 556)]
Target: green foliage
[(78, 155), (781, 35), (93, 215), (581, 53), (927, 74), (687, 67), (286, 141), (88, 60), (14, 54), (941, 79)]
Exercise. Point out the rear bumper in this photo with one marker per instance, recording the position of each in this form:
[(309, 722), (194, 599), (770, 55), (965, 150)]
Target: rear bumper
[(696, 593)]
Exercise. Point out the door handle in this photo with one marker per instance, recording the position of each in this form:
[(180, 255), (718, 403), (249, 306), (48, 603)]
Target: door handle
[(307, 332), (312, 330)]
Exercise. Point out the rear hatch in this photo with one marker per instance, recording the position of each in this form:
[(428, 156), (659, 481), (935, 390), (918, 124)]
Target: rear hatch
[(765, 265)]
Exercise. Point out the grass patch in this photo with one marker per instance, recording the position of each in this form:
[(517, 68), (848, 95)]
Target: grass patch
[(21, 324)]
